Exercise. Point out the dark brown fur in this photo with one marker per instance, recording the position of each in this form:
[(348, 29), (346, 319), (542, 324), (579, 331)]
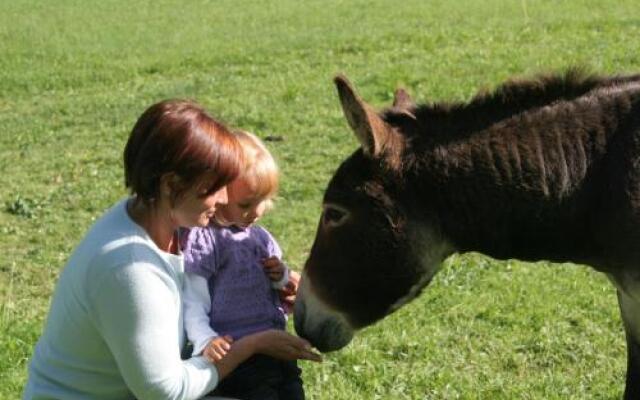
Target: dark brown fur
[(539, 169), (548, 182)]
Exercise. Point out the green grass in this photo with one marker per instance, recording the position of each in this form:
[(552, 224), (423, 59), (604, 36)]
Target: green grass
[(75, 75)]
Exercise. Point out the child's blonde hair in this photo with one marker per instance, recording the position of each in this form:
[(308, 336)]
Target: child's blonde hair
[(260, 170)]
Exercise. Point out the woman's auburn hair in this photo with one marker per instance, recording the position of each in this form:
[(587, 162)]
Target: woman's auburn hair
[(179, 138), (259, 170)]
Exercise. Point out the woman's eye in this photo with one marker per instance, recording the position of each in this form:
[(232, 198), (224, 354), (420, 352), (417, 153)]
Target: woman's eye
[(206, 192), (333, 216)]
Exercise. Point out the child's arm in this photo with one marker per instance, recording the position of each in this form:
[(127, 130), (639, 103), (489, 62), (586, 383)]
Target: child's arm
[(217, 348), (197, 305)]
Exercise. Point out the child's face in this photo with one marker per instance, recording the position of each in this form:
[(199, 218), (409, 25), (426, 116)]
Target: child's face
[(244, 207)]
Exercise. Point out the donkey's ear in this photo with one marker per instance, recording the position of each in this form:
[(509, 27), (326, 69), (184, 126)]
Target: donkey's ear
[(401, 99), (370, 129)]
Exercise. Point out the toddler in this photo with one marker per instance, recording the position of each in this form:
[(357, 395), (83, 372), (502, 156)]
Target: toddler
[(234, 274)]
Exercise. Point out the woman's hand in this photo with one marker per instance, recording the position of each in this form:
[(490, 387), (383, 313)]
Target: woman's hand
[(275, 343), (285, 346)]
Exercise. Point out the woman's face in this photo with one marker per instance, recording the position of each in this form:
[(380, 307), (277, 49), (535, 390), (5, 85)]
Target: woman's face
[(196, 208)]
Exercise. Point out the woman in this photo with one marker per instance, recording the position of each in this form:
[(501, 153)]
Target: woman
[(114, 329)]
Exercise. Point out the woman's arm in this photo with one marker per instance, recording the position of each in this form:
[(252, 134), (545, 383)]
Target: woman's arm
[(136, 308), (275, 343)]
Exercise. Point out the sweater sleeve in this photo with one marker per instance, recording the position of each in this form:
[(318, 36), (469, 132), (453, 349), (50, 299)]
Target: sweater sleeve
[(136, 308), (197, 306)]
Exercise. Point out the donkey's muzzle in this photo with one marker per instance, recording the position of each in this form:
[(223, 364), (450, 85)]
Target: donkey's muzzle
[(324, 329)]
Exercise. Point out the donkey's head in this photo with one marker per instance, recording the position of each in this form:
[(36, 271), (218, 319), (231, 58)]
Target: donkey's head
[(374, 249)]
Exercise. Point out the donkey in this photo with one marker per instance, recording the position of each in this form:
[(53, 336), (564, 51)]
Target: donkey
[(546, 168)]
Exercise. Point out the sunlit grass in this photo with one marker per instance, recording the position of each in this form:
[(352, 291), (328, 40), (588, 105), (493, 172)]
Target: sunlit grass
[(75, 75)]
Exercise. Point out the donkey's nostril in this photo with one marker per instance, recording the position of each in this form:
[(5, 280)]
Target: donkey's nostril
[(332, 335)]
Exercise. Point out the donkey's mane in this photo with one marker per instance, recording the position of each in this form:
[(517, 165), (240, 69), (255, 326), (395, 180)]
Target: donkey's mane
[(511, 98)]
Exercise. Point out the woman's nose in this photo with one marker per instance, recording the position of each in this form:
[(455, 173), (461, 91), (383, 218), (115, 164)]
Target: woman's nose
[(223, 197)]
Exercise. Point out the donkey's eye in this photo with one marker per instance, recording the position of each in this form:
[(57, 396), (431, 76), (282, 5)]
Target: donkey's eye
[(333, 216)]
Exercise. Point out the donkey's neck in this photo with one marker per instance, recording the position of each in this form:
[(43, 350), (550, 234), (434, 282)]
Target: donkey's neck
[(523, 186)]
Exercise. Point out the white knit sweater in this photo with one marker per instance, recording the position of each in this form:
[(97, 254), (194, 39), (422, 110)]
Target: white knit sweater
[(115, 328)]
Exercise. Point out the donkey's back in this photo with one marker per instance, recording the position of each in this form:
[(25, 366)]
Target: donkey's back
[(555, 181)]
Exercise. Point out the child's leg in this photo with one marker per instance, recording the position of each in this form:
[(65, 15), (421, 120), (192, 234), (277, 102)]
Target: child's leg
[(262, 393), (291, 387), (216, 398), (256, 379)]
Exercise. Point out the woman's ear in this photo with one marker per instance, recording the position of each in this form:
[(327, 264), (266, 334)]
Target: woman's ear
[(165, 187), (171, 186)]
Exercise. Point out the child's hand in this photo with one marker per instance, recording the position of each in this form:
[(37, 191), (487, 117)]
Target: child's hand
[(218, 348), (288, 292), (274, 268)]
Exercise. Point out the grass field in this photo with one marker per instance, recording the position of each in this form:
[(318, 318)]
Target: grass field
[(74, 76)]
